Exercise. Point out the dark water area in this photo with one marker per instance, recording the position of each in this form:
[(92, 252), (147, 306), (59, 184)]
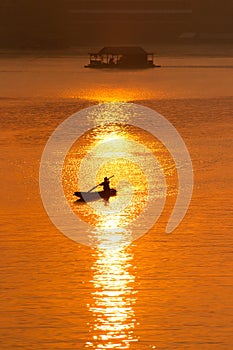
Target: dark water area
[(178, 48)]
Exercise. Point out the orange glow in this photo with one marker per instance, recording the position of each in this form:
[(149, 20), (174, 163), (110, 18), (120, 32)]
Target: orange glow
[(129, 178), (113, 95), (133, 187)]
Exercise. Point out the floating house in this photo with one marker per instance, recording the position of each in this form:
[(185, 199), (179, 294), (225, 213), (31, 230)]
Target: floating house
[(122, 57)]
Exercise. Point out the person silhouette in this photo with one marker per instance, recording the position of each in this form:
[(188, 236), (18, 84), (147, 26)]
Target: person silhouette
[(106, 184)]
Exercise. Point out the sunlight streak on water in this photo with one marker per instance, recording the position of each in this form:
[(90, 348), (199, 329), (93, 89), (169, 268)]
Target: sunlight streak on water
[(127, 153), (111, 94), (136, 159), (113, 316)]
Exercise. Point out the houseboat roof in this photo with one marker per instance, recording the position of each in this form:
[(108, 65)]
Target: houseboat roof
[(122, 50)]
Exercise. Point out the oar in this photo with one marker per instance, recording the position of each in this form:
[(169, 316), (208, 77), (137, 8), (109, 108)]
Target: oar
[(99, 184)]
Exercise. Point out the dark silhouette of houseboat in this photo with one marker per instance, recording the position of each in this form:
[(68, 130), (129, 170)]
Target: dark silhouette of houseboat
[(122, 57)]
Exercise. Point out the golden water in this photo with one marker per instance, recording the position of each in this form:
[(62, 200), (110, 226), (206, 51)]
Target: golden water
[(159, 292)]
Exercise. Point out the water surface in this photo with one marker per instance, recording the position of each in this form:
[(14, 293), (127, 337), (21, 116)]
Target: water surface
[(161, 291)]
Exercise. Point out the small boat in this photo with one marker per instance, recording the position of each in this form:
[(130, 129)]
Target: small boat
[(95, 196)]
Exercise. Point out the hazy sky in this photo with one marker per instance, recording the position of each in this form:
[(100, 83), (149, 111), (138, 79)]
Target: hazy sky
[(70, 22)]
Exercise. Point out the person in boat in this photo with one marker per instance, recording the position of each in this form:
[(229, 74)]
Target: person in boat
[(106, 184)]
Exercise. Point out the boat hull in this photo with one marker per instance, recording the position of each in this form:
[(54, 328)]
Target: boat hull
[(94, 196)]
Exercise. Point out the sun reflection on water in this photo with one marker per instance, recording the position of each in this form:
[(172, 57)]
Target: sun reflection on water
[(112, 95), (130, 154), (113, 318)]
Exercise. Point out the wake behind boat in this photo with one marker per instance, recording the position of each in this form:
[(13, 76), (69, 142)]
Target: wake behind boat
[(94, 196)]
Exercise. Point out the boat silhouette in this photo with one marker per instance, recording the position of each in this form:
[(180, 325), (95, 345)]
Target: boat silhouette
[(95, 196)]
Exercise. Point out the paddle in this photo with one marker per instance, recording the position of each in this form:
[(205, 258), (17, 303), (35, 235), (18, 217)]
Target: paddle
[(99, 184)]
